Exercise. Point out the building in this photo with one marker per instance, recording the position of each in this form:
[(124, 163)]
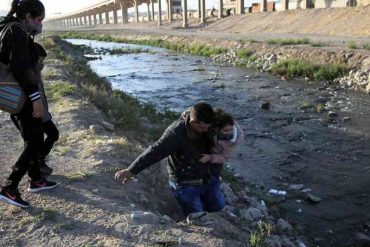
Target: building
[(176, 6), (340, 3)]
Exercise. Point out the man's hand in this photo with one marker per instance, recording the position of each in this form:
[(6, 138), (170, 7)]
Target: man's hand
[(206, 158), (125, 175), (38, 109)]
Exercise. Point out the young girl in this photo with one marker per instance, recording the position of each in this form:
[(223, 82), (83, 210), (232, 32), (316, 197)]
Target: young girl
[(16, 50), (228, 136)]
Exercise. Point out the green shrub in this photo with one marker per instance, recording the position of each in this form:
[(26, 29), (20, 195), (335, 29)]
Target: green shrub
[(244, 53), (304, 105), (320, 44), (56, 90), (117, 51), (352, 45), (297, 68), (260, 237), (195, 49), (289, 41), (366, 46), (46, 215)]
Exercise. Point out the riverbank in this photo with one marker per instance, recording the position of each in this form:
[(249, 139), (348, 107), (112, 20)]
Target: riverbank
[(89, 208), (287, 58), (285, 144)]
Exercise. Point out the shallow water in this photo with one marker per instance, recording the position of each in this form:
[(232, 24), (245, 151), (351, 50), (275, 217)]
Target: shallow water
[(283, 145)]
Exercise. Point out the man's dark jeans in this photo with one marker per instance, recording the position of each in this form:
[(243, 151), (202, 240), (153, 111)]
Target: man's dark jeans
[(198, 198)]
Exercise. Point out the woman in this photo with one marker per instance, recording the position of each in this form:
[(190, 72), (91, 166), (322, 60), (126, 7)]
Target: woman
[(48, 126), (17, 49)]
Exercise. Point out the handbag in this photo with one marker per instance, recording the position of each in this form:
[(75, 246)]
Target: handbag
[(12, 97)]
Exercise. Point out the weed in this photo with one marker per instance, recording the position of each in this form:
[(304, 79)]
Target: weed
[(304, 105), (366, 46), (319, 108), (352, 45), (260, 237), (56, 90), (289, 41), (46, 215), (77, 175), (320, 44), (295, 68), (244, 53), (228, 177)]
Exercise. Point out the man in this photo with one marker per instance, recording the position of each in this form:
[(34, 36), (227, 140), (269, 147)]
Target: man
[(183, 144)]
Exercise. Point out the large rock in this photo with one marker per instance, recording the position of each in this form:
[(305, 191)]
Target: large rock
[(296, 186), (256, 213), (141, 217), (120, 227), (260, 206), (365, 65), (362, 239), (368, 88), (245, 215), (286, 242), (96, 129), (165, 219), (274, 241), (230, 197), (229, 208), (313, 199), (301, 244), (107, 125), (283, 226)]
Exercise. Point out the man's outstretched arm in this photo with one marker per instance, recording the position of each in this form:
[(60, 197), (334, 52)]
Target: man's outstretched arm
[(162, 148)]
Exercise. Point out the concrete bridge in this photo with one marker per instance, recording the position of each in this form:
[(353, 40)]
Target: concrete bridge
[(100, 13)]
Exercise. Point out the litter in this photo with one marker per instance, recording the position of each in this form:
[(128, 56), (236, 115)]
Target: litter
[(277, 192)]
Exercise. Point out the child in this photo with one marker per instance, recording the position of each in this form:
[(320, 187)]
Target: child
[(228, 136)]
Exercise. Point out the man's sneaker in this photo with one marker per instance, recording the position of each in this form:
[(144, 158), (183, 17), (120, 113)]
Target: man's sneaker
[(41, 185), (13, 197), (200, 219), (45, 170)]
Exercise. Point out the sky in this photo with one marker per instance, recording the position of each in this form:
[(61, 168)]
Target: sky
[(57, 7)]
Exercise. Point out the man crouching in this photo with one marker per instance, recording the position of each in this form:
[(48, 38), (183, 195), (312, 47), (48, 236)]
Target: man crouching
[(183, 144)]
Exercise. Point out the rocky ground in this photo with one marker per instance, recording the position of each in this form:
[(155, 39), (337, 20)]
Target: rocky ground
[(359, 63), (89, 208)]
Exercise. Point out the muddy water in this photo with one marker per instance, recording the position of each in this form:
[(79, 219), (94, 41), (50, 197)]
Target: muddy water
[(284, 145)]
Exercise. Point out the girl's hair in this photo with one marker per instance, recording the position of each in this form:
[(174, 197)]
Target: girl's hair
[(223, 118), (22, 7)]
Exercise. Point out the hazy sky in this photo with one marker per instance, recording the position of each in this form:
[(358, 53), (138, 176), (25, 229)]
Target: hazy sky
[(53, 7)]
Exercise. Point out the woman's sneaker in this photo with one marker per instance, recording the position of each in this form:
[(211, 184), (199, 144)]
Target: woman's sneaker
[(13, 197), (43, 184)]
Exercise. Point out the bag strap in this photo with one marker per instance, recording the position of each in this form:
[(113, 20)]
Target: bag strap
[(8, 27)]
